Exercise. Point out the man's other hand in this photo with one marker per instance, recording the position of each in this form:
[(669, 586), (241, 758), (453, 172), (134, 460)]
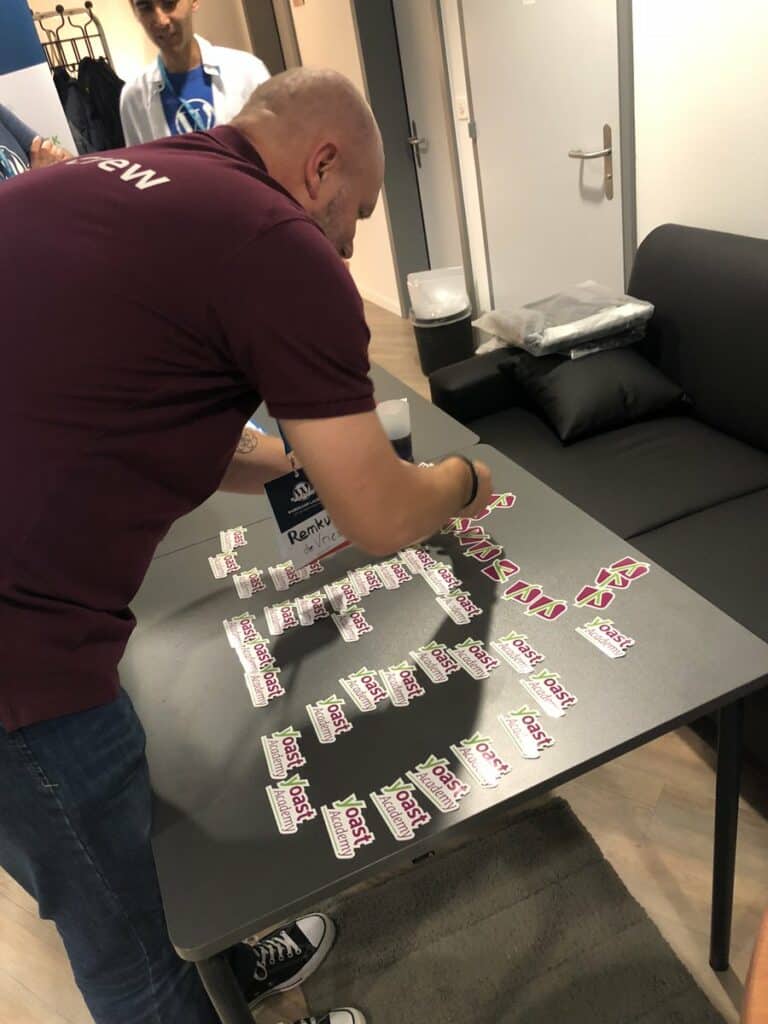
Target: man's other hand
[(45, 153)]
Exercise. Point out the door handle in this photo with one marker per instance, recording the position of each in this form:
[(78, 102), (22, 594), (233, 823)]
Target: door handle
[(607, 155), (415, 142)]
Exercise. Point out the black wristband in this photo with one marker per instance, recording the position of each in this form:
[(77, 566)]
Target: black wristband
[(473, 475)]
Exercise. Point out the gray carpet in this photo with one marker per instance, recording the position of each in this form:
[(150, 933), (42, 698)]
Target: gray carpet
[(529, 925)]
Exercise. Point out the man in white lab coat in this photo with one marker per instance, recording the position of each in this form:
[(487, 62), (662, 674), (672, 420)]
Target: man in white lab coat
[(193, 85)]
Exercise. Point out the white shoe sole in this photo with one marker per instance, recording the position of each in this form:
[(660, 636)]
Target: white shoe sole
[(357, 1017), (322, 951)]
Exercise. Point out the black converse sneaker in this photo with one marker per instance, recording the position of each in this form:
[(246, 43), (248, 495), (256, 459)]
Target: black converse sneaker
[(336, 1017), (284, 959)]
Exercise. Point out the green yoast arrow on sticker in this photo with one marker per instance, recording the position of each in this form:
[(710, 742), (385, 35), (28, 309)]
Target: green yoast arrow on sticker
[(350, 801), (295, 780)]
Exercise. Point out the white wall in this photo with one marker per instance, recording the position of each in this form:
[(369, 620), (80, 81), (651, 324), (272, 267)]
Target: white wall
[(701, 94), (326, 34)]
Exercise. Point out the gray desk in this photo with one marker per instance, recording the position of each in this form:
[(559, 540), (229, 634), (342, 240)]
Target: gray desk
[(434, 434), (224, 870)]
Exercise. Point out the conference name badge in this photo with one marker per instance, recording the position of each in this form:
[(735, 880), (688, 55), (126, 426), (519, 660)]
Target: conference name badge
[(305, 531)]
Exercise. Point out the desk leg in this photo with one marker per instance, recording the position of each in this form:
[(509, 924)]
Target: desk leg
[(729, 751), (223, 990)]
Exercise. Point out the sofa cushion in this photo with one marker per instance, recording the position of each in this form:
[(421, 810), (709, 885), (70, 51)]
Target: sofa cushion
[(581, 397), (636, 478)]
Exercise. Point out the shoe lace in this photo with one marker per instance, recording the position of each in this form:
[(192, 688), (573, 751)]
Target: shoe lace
[(274, 950)]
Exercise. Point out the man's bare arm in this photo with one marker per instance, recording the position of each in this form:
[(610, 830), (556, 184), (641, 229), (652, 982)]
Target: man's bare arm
[(257, 459), (375, 499)]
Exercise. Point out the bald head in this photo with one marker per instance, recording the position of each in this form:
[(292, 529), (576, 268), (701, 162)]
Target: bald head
[(319, 139)]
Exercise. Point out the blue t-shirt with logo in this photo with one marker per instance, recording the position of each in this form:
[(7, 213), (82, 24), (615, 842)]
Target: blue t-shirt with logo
[(15, 140), (195, 88)]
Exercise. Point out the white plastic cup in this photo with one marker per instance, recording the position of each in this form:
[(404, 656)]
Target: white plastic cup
[(395, 418)]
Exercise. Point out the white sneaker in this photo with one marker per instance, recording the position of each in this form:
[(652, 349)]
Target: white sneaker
[(346, 1016)]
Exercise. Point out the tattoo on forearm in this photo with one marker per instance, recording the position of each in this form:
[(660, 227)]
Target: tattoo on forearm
[(248, 442)]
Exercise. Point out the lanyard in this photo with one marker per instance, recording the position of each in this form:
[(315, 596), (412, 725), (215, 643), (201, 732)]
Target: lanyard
[(194, 115), (9, 171)]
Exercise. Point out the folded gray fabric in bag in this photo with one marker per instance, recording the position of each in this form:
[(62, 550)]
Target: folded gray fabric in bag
[(571, 318)]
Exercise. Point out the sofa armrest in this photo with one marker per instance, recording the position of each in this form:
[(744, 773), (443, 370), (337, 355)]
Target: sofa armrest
[(474, 387)]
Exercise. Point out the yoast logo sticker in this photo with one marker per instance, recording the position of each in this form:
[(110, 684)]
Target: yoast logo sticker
[(436, 661), (401, 811), (364, 689), (234, 538), (401, 684), (417, 559), (459, 606), (280, 617), (352, 624), (551, 696), (290, 804), (346, 826), (474, 658), (224, 564), (500, 570), (240, 628), (481, 759), (255, 655), (311, 608), (367, 579), (441, 579), (603, 634), (518, 652), (439, 784), (342, 594), (264, 686), (282, 752), (393, 574), (328, 718), (249, 583), (525, 728)]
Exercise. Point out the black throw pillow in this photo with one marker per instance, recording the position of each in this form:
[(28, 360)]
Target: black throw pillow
[(580, 397)]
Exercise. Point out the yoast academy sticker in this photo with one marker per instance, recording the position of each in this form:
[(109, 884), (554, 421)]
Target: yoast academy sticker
[(311, 608), (364, 689), (417, 559), (286, 574), (439, 784), (255, 655), (346, 826), (264, 686), (283, 753), (525, 728), (604, 635), (280, 617), (393, 574), (366, 579), (328, 718), (481, 759), (474, 658), (234, 538), (352, 624), (442, 579), (436, 661), (549, 694), (517, 652), (401, 684), (240, 629), (249, 583), (342, 594), (290, 804), (459, 606), (224, 564), (401, 811)]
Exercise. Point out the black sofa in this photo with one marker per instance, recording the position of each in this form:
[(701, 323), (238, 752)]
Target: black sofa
[(689, 490)]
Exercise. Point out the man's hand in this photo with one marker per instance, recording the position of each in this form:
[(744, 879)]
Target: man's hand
[(484, 490), (45, 153)]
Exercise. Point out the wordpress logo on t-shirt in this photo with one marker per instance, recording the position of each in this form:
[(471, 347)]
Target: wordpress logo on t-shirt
[(204, 111), (12, 161)]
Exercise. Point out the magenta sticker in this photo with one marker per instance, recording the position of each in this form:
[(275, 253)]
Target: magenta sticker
[(604, 635), (525, 728), (283, 753), (482, 760), (346, 826), (515, 649), (290, 804), (436, 661), (484, 551), (474, 658), (500, 570), (439, 784), (328, 718), (364, 689), (401, 811)]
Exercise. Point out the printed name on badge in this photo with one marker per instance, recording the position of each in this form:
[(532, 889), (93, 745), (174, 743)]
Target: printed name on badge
[(401, 811), (223, 565), (401, 684), (439, 784), (364, 689), (436, 661), (283, 753), (525, 728), (290, 804), (306, 532), (234, 538), (605, 637), (479, 756), (328, 718), (346, 826), (474, 658), (549, 694)]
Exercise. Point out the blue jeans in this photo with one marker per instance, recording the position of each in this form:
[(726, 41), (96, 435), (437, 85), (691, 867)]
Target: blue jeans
[(75, 815)]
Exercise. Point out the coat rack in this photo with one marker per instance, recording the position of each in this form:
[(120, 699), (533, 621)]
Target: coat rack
[(68, 42)]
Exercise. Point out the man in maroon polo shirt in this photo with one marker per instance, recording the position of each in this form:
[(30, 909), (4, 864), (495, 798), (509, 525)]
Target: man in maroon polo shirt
[(153, 297)]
